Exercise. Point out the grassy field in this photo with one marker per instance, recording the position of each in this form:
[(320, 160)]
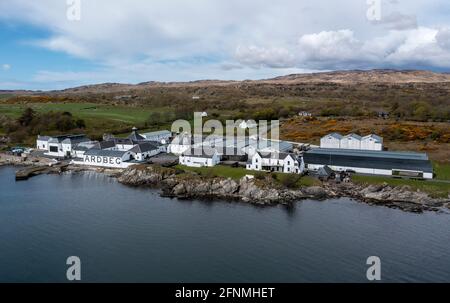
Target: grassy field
[(87, 111), (99, 118), (235, 173), (434, 188), (442, 170), (238, 172)]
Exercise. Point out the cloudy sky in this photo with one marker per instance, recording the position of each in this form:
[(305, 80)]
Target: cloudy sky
[(51, 44)]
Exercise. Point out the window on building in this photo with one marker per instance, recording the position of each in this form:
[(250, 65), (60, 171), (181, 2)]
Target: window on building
[(54, 149)]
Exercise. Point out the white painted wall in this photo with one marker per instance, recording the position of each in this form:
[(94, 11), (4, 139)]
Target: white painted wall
[(371, 144), (42, 144), (196, 161), (350, 143), (330, 142), (110, 162)]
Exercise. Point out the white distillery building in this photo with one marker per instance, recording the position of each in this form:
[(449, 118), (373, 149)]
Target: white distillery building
[(276, 162), (351, 141), (145, 150), (200, 157), (60, 146), (42, 142), (183, 142), (162, 136), (267, 146), (106, 158), (400, 164), (372, 142), (331, 141)]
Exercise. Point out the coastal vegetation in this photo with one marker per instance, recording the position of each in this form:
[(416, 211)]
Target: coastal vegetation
[(292, 181), (436, 189)]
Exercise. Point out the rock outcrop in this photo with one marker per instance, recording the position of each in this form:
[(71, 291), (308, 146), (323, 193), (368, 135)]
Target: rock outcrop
[(177, 184)]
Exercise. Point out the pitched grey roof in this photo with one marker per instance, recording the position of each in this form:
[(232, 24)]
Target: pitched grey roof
[(73, 138), (105, 144), (144, 147), (125, 141), (373, 136), (325, 171), (105, 153), (43, 138), (335, 135), (353, 136), (158, 133), (136, 137), (280, 156)]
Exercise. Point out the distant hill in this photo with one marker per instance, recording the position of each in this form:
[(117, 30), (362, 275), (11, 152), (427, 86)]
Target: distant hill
[(337, 77)]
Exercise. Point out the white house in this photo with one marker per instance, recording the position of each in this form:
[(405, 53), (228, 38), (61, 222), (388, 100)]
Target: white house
[(331, 141), (145, 150), (62, 146), (42, 142), (351, 141), (276, 162), (372, 142), (200, 157), (162, 136)]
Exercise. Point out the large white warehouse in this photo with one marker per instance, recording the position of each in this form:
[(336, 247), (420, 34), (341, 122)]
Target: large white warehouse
[(352, 141)]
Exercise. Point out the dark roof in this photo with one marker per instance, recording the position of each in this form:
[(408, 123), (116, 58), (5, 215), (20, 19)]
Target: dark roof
[(123, 141), (105, 144), (136, 137), (280, 156), (81, 148), (43, 138), (325, 171), (369, 159), (144, 147), (105, 153), (73, 138)]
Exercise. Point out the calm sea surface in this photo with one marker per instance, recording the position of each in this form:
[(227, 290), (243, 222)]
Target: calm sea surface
[(124, 234)]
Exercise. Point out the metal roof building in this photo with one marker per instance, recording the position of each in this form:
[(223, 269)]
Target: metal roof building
[(371, 162)]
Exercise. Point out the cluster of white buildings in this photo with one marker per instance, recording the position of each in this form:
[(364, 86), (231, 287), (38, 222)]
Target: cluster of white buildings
[(352, 141), (112, 153), (350, 153)]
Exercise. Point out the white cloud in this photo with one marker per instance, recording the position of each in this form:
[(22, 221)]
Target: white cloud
[(264, 57), (397, 21), (141, 40), (6, 67)]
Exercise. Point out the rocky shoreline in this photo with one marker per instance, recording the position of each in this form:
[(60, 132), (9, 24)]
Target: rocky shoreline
[(178, 184), (264, 192)]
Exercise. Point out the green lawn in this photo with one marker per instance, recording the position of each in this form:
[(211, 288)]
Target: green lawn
[(99, 118), (235, 173), (88, 111), (442, 170), (434, 188)]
